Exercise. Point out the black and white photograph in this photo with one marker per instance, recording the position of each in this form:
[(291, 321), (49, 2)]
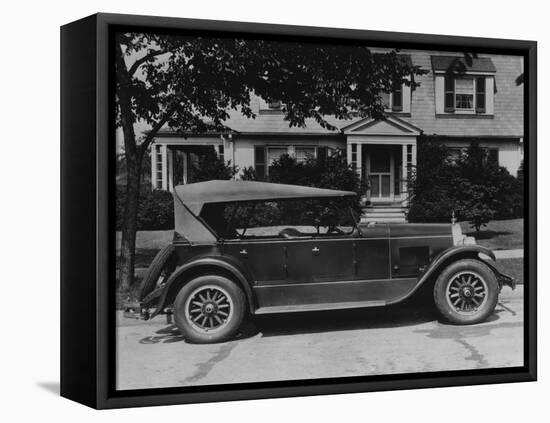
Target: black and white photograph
[(291, 210)]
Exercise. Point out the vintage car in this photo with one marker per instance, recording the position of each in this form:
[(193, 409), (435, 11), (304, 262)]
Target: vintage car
[(236, 252)]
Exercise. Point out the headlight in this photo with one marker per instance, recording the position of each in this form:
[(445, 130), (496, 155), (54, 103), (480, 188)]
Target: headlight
[(459, 238)]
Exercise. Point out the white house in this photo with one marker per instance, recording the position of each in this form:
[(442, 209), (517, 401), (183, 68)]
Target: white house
[(483, 104)]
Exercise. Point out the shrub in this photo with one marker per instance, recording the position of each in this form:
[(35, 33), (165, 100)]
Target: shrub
[(210, 166), (330, 172), (155, 209), (472, 187)]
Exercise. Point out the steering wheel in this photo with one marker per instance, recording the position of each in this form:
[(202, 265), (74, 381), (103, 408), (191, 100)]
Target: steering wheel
[(335, 230)]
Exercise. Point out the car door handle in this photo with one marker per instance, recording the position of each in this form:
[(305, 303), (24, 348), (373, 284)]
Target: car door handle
[(243, 252), (315, 249)]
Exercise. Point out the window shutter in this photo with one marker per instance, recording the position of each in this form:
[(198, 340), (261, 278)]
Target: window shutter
[(397, 104), (259, 161), (449, 95), (492, 156), (480, 95), (322, 154)]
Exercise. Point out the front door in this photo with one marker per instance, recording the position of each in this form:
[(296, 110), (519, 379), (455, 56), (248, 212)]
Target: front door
[(380, 166)]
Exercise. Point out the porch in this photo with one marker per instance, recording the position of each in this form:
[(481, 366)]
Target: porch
[(383, 152)]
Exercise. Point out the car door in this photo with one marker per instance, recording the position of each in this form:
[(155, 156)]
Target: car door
[(332, 259), (372, 253), (263, 259)]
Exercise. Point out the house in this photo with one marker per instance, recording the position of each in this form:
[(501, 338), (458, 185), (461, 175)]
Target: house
[(484, 104)]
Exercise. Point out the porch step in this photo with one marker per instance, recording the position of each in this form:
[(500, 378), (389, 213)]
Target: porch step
[(386, 213)]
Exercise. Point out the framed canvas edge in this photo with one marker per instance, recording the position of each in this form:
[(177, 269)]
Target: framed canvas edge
[(104, 368)]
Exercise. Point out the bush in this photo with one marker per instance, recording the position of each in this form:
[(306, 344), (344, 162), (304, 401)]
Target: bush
[(155, 210), (331, 172), (472, 187)]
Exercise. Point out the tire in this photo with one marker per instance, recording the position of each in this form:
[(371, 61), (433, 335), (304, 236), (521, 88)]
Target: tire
[(155, 271), (209, 309), (466, 292)]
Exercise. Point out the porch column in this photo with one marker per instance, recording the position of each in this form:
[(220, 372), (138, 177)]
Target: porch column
[(404, 174), (348, 151), (154, 166), (164, 162), (170, 170), (359, 160)]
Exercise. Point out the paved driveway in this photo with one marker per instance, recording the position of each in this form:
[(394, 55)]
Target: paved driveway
[(396, 339)]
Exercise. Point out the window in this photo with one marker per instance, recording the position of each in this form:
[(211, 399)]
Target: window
[(158, 170), (274, 153), (394, 100), (221, 152), (464, 94), (354, 156), (264, 156), (276, 105), (303, 153)]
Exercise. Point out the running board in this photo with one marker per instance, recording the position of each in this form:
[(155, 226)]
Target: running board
[(318, 307)]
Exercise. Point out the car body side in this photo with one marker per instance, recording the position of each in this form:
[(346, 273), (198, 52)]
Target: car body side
[(376, 265)]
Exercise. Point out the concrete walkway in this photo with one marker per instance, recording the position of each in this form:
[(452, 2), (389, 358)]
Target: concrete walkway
[(508, 254)]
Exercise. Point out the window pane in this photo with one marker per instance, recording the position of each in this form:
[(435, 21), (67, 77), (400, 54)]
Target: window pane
[(464, 86), (374, 185), (464, 101), (385, 185), (303, 153), (385, 97), (398, 99), (274, 153), (380, 161)]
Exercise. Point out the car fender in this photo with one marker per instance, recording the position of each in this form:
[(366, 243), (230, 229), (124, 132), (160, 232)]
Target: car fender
[(448, 256), (223, 263)]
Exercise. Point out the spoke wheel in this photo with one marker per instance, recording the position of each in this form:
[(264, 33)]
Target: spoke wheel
[(467, 292), (209, 308)]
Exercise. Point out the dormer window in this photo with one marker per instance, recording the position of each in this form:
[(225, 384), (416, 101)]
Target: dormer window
[(271, 107), (469, 91), (275, 105), (393, 101)]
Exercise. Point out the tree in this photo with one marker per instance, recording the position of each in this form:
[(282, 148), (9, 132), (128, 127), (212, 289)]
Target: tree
[(190, 84)]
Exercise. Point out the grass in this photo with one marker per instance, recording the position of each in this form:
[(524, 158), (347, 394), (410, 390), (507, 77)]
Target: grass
[(498, 234), (512, 267)]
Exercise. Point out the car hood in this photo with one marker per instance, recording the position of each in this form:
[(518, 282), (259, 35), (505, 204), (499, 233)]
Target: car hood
[(397, 230)]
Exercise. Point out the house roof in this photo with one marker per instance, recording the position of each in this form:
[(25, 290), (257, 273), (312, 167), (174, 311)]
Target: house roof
[(507, 120), (479, 64)]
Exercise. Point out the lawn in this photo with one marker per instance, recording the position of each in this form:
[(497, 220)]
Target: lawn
[(498, 234), (512, 267)]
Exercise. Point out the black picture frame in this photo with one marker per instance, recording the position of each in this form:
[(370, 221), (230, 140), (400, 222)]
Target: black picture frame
[(87, 166)]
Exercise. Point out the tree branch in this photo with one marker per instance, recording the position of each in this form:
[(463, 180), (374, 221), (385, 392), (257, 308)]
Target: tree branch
[(156, 127), (133, 69)]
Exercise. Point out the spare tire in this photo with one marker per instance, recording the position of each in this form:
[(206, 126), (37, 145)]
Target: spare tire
[(160, 266)]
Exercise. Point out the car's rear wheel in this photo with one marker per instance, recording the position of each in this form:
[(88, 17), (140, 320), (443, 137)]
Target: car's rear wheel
[(466, 292), (209, 309)]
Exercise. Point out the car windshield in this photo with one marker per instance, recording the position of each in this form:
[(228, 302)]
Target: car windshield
[(283, 218)]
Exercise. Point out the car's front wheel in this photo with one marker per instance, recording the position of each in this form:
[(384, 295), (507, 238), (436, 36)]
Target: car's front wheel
[(466, 292), (209, 308)]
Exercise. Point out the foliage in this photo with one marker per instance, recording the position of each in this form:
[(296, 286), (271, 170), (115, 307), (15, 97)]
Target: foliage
[(210, 166), (332, 172), (474, 188), (155, 210), (190, 83), (249, 174)]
